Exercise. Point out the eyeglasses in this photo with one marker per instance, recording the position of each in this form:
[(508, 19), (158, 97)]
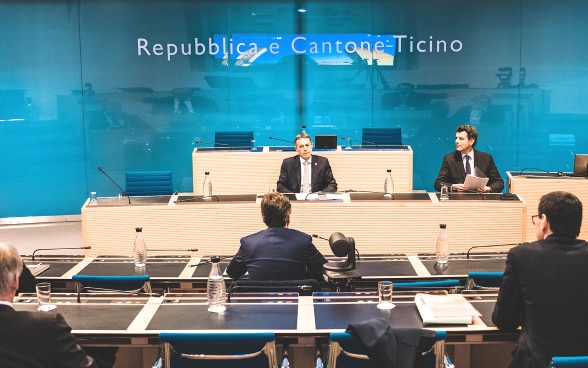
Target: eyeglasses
[(535, 216)]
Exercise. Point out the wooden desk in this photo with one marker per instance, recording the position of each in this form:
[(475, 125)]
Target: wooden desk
[(531, 186), (236, 172), (408, 224)]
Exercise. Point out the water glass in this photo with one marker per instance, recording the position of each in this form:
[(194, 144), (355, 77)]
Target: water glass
[(44, 297), (385, 295)]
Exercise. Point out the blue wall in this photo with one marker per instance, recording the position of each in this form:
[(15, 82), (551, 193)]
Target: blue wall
[(77, 91)]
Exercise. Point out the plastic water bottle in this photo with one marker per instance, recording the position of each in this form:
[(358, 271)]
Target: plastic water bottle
[(215, 288), (139, 249), (207, 186), (389, 184), (303, 129), (442, 247)]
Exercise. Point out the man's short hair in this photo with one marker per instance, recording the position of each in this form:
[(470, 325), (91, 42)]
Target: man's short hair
[(275, 209), (563, 211), (10, 266), (470, 130), (301, 136)]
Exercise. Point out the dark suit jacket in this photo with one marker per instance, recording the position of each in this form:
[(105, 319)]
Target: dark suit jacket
[(545, 290), (277, 253), (453, 172), (321, 180), (38, 339)]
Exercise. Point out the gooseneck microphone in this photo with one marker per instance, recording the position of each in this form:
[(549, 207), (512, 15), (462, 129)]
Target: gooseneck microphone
[(122, 191), (211, 143), (281, 140), (362, 142), (67, 248), (488, 246)]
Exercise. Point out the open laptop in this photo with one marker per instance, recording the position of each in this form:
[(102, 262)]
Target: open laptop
[(327, 141), (581, 165)]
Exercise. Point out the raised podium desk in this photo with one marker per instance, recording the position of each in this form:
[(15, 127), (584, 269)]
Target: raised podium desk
[(408, 223), (533, 185)]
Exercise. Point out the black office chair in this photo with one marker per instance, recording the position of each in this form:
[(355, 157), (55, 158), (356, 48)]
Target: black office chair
[(233, 140), (378, 137), (302, 287), (483, 280), (127, 284), (218, 349), (347, 351), (148, 183), (568, 362)]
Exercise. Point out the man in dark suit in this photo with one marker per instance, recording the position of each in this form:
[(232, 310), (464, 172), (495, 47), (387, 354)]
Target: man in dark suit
[(33, 339), (277, 253), (292, 173), (465, 160), (545, 286)]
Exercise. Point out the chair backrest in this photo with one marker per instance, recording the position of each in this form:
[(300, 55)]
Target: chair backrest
[(483, 280), (449, 284), (127, 284), (147, 183), (302, 287), (222, 349), (569, 361), (381, 136), (235, 140), (346, 351)]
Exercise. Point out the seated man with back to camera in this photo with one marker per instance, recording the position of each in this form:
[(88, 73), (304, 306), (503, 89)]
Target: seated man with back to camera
[(277, 253), (305, 172), (545, 286), (465, 160), (37, 339)]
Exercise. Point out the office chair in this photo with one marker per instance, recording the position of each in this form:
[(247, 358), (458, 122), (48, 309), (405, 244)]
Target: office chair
[(234, 140), (148, 183), (483, 280), (346, 351), (129, 284), (223, 349), (568, 361), (302, 287), (381, 137)]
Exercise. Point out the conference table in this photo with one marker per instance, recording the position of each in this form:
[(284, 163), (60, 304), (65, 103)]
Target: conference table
[(301, 322), (406, 223)]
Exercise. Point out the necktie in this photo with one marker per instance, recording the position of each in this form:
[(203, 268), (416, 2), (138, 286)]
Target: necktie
[(306, 178), (468, 169)]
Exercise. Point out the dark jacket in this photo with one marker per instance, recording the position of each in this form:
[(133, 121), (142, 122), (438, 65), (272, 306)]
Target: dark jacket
[(322, 179)]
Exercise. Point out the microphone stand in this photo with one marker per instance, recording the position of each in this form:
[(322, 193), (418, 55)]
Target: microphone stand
[(281, 140), (122, 191), (68, 248), (488, 246)]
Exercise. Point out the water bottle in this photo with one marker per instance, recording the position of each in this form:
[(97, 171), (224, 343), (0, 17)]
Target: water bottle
[(389, 184), (139, 249), (215, 288), (207, 186), (303, 130), (442, 247)]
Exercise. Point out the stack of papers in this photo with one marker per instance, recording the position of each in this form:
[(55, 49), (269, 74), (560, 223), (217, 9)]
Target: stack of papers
[(445, 309)]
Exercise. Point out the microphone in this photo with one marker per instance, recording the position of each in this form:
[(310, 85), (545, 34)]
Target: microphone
[(279, 139), (172, 250), (362, 142), (68, 248), (212, 143), (122, 191), (487, 246)]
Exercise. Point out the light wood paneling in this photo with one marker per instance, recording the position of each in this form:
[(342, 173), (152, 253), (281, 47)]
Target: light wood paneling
[(236, 172)]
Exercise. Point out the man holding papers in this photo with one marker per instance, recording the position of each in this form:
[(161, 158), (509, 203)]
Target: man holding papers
[(467, 169), (545, 286)]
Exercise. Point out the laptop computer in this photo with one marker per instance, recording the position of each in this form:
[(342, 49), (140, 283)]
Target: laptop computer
[(327, 141), (581, 165)]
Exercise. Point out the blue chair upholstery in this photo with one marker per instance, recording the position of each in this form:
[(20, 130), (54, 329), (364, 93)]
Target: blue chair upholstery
[(346, 351), (382, 136), (483, 280), (568, 361), (148, 183), (127, 284), (221, 349), (235, 140), (449, 284)]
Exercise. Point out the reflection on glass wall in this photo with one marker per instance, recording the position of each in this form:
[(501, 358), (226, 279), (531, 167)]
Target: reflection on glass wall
[(133, 85)]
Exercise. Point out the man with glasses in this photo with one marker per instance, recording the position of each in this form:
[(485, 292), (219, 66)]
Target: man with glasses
[(456, 165), (545, 286), (306, 173)]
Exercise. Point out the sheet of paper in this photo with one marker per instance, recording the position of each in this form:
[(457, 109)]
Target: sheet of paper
[(475, 182)]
